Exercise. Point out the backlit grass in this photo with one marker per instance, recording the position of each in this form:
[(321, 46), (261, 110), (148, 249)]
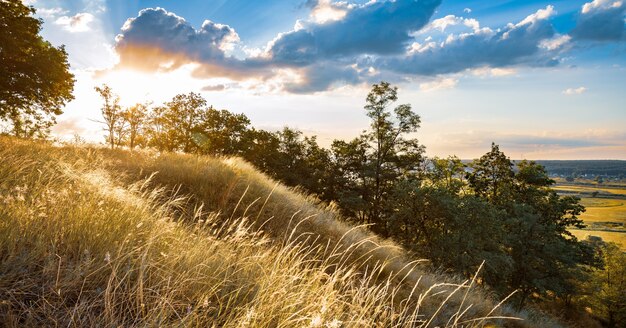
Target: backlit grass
[(93, 237)]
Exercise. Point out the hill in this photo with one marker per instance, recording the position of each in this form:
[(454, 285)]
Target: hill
[(97, 237)]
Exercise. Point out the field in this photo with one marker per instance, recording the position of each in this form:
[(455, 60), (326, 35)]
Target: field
[(94, 237), (605, 210)]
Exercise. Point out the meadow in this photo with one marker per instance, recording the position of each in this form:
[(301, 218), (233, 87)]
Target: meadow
[(605, 213), (95, 237)]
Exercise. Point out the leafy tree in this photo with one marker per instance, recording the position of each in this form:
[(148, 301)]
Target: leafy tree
[(112, 116), (351, 167), (448, 173), (220, 132), (492, 176), (604, 291), (162, 133), (390, 154), (35, 82), (546, 256), (134, 118), (184, 114)]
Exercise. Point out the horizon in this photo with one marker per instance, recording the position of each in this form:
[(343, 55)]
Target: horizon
[(543, 79)]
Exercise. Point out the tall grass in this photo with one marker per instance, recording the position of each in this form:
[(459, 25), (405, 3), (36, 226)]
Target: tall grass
[(93, 237)]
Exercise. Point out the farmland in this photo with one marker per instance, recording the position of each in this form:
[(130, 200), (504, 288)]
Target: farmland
[(605, 212)]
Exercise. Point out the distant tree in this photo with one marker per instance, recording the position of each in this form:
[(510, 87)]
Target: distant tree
[(134, 117), (112, 116), (35, 82), (569, 178), (599, 179), (185, 112)]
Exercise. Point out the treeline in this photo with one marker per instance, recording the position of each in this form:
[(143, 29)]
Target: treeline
[(454, 214), (579, 168)]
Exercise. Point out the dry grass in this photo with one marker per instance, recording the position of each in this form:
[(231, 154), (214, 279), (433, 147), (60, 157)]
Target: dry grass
[(91, 237)]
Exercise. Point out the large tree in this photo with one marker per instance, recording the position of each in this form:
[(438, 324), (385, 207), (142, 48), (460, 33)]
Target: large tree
[(35, 82), (391, 155), (546, 256)]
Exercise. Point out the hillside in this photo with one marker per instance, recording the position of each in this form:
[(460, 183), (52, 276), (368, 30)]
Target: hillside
[(94, 237)]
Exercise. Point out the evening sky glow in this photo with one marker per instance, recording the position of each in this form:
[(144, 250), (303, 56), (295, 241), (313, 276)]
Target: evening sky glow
[(545, 80)]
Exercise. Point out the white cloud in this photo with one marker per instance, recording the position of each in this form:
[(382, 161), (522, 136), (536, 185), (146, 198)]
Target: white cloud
[(77, 23), (439, 84), (541, 14), (326, 11), (556, 42), (603, 4), (574, 91), (467, 10)]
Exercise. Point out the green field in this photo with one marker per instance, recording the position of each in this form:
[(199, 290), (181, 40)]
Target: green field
[(605, 214)]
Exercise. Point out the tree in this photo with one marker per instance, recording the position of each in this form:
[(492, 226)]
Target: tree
[(112, 116), (220, 132), (35, 82), (134, 118), (604, 291), (546, 257), (391, 153), (185, 113)]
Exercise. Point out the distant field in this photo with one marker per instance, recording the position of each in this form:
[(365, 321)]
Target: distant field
[(586, 189), (604, 210), (616, 237), (605, 214)]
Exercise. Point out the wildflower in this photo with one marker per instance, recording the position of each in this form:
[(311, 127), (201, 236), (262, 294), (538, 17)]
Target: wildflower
[(107, 257)]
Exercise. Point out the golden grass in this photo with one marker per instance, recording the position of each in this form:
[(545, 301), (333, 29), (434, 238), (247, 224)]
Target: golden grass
[(604, 210), (92, 237)]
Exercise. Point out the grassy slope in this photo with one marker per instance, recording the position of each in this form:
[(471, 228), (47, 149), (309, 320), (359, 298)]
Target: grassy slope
[(97, 237)]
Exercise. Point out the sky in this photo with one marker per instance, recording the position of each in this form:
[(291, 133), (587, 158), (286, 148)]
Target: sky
[(543, 79)]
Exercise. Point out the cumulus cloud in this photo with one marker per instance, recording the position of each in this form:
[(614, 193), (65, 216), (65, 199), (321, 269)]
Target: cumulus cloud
[(376, 28), (160, 40), (345, 43), (77, 23), (601, 20), (514, 45), (574, 91)]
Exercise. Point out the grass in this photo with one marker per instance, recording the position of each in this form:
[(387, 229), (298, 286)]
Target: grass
[(604, 210), (93, 237)]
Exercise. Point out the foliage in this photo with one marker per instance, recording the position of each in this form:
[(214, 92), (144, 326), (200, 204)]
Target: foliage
[(604, 292), (35, 82)]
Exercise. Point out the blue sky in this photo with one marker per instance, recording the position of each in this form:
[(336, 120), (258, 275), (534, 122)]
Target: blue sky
[(544, 79)]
